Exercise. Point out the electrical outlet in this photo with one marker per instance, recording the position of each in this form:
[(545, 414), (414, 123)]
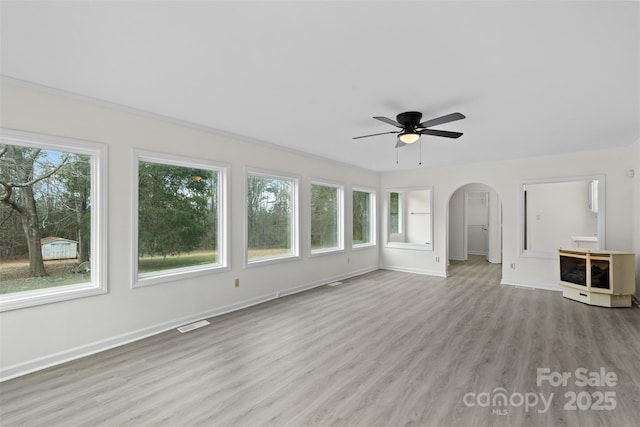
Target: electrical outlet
[(237, 283), (513, 266), (437, 259)]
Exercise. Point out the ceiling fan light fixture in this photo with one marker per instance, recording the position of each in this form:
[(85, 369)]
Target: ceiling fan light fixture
[(409, 137)]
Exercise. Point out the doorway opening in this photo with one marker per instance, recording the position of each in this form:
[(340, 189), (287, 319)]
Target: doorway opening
[(474, 231), (476, 222)]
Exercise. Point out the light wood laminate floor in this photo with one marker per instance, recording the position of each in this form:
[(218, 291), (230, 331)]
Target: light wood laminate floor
[(382, 349)]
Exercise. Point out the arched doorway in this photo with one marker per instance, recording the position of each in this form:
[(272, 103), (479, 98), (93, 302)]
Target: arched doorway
[(474, 225)]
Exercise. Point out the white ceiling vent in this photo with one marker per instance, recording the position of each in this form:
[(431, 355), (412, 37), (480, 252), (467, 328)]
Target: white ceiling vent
[(192, 326)]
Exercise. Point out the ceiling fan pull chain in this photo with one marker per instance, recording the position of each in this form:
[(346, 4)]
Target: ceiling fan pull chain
[(396, 154), (420, 163)]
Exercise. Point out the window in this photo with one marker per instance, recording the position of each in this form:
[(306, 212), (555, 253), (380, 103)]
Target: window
[(364, 223), (409, 220), (395, 212), (272, 217), (179, 218), (53, 217), (326, 217)]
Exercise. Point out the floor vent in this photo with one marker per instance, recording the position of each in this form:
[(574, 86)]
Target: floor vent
[(192, 326), (335, 284)]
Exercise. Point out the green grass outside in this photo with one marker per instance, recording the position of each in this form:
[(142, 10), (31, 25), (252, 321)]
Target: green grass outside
[(150, 264), (159, 263), (264, 253), (33, 283), (19, 283)]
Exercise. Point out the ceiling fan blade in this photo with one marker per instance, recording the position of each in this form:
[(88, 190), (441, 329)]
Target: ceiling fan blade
[(400, 144), (375, 134), (389, 121), (444, 133), (444, 119)]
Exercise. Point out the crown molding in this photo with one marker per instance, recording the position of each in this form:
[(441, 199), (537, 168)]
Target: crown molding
[(168, 119)]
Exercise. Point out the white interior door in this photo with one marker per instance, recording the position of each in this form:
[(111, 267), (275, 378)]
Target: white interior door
[(477, 222)]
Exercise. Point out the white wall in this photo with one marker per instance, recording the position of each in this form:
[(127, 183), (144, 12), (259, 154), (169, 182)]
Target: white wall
[(37, 336), (455, 244), (558, 211), (636, 210), (417, 216), (505, 177)]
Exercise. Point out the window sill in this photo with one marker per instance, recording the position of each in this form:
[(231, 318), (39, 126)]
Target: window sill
[(258, 262), (364, 246), (18, 300), (149, 279), (414, 246), (327, 251)]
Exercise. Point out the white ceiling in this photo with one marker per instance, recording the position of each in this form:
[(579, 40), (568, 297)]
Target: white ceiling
[(533, 78)]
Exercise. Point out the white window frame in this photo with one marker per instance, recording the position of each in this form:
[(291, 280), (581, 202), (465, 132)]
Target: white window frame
[(372, 217), (163, 276), (340, 217), (294, 254), (428, 246), (98, 284)]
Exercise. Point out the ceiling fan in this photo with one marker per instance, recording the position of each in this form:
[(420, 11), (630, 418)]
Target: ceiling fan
[(411, 128)]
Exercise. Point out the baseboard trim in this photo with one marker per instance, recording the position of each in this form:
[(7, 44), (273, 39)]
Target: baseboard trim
[(45, 362), (117, 341), (413, 270), (38, 364), (325, 281), (533, 285)]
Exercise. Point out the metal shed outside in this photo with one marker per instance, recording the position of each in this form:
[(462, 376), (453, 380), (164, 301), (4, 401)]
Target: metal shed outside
[(58, 248)]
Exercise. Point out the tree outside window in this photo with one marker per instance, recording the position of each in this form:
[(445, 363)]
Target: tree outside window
[(363, 218), (326, 223), (179, 219), (50, 219), (395, 213), (45, 193), (271, 217)]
